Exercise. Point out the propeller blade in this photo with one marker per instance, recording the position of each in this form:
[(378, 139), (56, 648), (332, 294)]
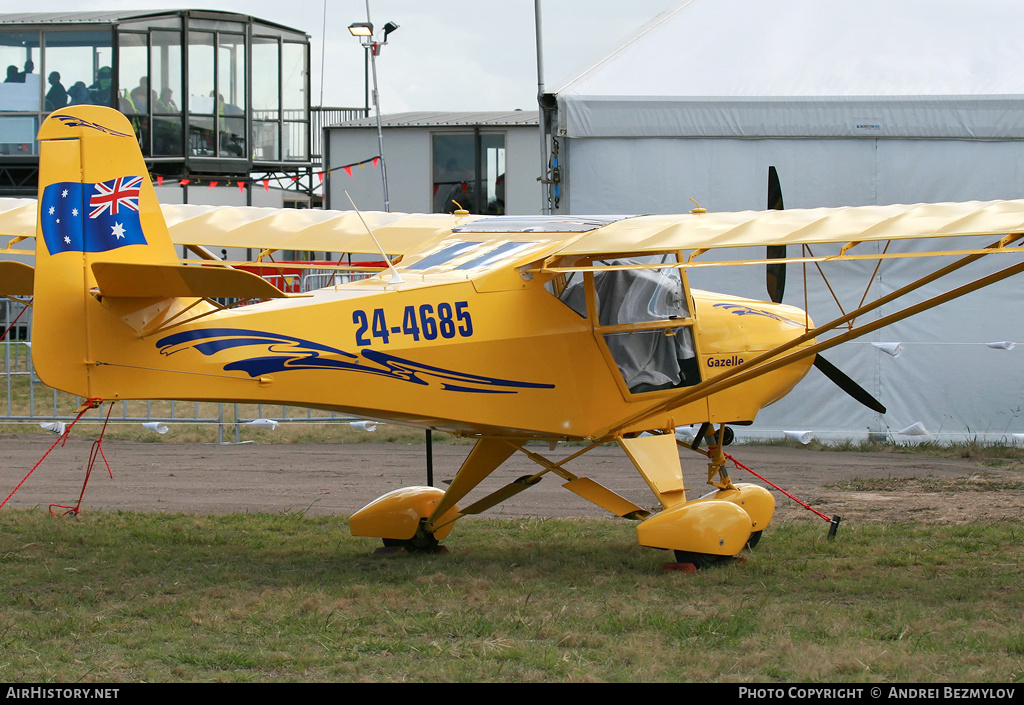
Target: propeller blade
[(775, 273), (847, 385), (774, 190)]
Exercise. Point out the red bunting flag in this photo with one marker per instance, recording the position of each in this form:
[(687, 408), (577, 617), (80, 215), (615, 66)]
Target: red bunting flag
[(294, 179), (465, 187), (348, 170), (436, 186), (320, 176), (184, 182), (241, 187), (266, 185), (375, 160), (159, 181), (213, 184)]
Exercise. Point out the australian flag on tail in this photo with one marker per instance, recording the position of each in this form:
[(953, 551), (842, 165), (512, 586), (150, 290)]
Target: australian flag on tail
[(77, 217)]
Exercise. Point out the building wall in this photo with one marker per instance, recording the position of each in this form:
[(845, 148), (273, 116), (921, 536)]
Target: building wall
[(409, 170)]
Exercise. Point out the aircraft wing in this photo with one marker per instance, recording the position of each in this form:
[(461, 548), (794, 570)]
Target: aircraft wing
[(303, 229), (17, 217), (270, 228), (705, 231), (398, 233)]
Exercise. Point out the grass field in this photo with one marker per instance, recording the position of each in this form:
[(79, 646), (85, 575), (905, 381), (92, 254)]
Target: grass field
[(120, 597), (115, 597)]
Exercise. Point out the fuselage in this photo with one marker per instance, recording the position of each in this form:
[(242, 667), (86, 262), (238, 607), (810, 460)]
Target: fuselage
[(491, 351)]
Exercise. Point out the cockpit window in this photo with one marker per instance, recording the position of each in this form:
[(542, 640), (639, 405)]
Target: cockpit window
[(652, 360), (570, 289), (655, 359), (445, 254), (506, 251), (639, 296)]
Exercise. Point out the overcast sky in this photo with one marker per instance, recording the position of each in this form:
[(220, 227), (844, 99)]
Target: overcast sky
[(447, 54)]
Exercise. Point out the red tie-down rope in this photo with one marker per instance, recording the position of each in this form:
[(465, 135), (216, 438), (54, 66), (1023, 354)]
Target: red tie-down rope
[(833, 520), (62, 439), (97, 450)]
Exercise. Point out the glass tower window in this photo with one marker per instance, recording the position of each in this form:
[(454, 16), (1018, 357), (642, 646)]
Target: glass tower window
[(165, 78), (294, 69), (47, 71), (266, 99), (217, 94)]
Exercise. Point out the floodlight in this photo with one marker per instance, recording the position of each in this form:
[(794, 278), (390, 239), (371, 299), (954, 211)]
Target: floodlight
[(361, 29)]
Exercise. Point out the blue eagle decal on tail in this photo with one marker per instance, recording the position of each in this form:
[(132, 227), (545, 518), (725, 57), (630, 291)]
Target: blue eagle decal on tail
[(285, 352)]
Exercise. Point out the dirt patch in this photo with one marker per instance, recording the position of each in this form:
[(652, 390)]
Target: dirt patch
[(339, 479)]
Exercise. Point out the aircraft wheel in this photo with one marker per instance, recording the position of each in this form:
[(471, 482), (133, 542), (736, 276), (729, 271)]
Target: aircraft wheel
[(754, 538), (701, 560), (417, 544)]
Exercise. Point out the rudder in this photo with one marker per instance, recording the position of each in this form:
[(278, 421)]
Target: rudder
[(96, 204)]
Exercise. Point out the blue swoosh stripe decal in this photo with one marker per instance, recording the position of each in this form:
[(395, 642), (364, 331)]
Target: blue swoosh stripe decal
[(284, 353)]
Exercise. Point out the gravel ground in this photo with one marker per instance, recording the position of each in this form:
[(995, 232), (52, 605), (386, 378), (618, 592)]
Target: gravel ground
[(323, 478)]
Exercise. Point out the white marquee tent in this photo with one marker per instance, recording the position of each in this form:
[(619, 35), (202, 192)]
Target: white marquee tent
[(873, 102)]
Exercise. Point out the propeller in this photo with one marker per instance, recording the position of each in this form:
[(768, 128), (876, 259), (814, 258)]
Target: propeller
[(847, 385), (775, 277), (775, 273)]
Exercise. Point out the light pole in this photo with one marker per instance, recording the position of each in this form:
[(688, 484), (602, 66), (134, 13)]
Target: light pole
[(364, 32)]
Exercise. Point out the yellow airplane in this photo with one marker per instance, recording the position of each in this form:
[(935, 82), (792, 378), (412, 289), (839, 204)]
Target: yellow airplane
[(503, 329)]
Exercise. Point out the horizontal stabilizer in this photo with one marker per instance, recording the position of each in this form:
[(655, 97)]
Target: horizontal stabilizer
[(132, 280), (16, 278), (595, 492)]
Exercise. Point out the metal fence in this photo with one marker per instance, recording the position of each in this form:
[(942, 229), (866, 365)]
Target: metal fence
[(321, 116), (28, 400)]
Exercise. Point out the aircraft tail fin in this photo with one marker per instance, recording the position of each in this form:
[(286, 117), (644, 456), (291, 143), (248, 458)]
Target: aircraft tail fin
[(96, 204)]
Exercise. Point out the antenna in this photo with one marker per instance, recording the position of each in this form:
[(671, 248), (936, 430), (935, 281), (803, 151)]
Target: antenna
[(395, 278)]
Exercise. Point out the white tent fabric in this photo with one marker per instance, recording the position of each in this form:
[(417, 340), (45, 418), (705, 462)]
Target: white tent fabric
[(857, 103), (791, 68)]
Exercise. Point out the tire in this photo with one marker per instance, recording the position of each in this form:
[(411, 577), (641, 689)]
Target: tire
[(701, 560), (417, 544)]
